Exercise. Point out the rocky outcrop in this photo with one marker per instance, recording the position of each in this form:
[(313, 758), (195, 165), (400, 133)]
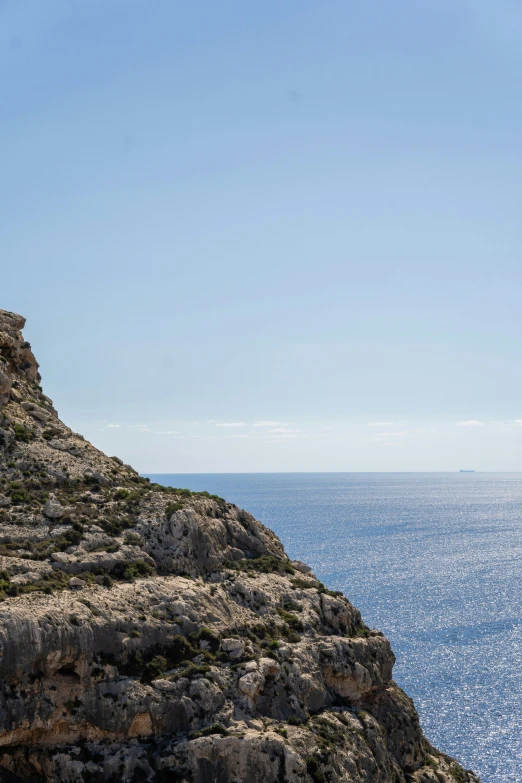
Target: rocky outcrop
[(17, 359), (154, 634)]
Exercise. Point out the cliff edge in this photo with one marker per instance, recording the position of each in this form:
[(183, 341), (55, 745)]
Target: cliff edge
[(155, 634)]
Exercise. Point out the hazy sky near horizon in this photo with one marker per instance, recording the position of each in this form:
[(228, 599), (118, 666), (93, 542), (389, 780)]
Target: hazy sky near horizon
[(269, 236)]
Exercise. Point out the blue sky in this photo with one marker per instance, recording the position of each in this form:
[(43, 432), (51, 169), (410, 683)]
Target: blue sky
[(292, 212)]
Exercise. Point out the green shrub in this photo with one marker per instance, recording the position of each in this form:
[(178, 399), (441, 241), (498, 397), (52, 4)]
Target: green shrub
[(112, 526), (205, 634), (334, 593), (121, 494), (291, 620), (132, 538), (216, 728), (266, 564), (71, 537), (313, 768), (458, 774), (50, 434), (179, 651), (211, 497), (19, 496), (22, 433), (154, 669), (132, 571), (290, 635), (5, 586), (193, 671)]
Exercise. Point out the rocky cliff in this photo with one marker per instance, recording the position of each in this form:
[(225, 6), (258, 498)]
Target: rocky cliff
[(154, 634)]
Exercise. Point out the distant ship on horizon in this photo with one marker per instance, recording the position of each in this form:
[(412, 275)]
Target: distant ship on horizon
[(467, 471)]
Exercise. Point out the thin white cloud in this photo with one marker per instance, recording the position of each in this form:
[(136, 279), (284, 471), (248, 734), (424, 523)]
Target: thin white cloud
[(239, 435), (167, 432), (518, 422), (381, 424), (270, 423), (281, 433), (113, 426), (469, 423), (139, 427), (231, 424)]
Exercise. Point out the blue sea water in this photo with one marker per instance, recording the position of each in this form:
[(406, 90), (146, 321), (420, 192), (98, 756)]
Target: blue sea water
[(434, 561)]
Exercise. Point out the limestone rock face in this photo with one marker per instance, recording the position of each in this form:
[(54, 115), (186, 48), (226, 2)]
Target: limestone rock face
[(153, 634), (17, 359)]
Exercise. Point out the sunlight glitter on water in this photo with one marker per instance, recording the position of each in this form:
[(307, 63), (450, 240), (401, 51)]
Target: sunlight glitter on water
[(434, 561)]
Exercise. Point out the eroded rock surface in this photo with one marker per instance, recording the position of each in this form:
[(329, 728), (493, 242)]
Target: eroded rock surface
[(153, 634)]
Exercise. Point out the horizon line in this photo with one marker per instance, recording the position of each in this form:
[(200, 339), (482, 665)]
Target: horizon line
[(321, 472)]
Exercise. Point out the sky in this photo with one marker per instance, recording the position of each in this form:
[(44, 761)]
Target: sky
[(275, 236)]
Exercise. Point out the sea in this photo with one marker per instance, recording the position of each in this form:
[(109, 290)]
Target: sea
[(434, 560)]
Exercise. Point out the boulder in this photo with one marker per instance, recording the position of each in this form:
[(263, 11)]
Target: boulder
[(251, 684), (302, 567), (234, 647), (36, 411), (76, 584), (27, 578), (53, 509), (96, 475), (60, 557)]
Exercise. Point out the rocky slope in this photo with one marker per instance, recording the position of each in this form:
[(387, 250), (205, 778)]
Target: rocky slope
[(153, 634)]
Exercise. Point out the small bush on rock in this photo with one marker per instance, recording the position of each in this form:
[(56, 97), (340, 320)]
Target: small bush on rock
[(266, 564), (23, 434)]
